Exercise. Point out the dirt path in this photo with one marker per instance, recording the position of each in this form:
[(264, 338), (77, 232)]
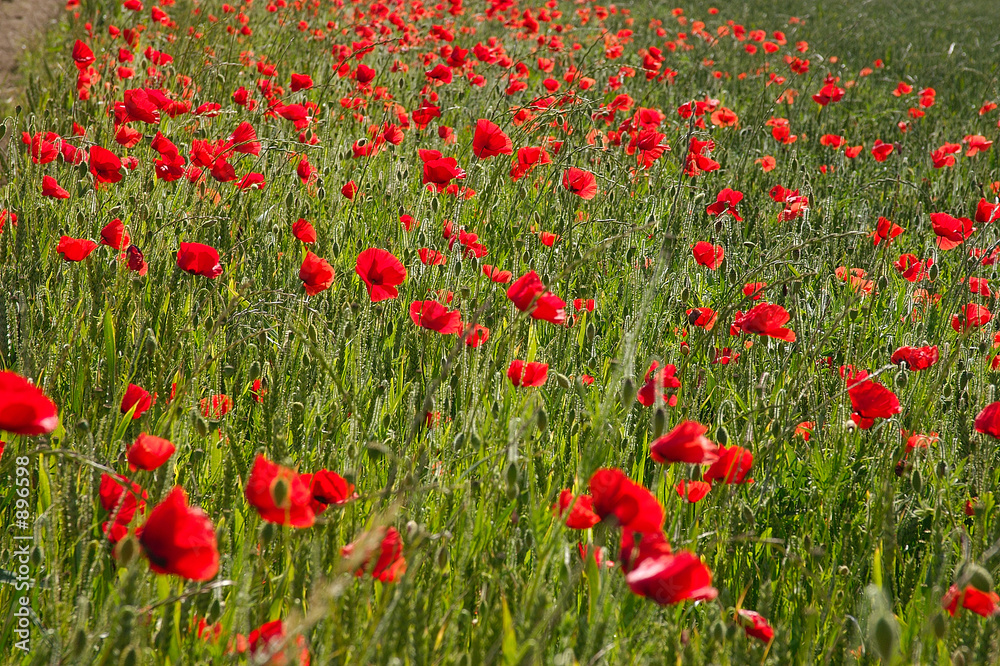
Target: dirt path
[(22, 22)]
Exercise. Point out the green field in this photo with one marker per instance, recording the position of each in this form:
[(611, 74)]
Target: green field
[(854, 496)]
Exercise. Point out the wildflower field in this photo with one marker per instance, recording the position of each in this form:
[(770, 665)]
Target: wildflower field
[(492, 331)]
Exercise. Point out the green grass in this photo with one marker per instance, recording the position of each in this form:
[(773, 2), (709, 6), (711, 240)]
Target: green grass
[(492, 576)]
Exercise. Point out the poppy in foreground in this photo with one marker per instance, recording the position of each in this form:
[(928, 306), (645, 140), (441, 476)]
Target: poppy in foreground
[(988, 420), (199, 259), (671, 578), (266, 642), (180, 540), (490, 141), (24, 408), (279, 494), (381, 273), (390, 564)]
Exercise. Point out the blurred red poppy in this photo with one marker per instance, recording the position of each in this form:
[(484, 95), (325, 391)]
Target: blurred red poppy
[(732, 465), (633, 506), (693, 491), (280, 495), (527, 374), (686, 443), (577, 512), (149, 452), (24, 408), (180, 540), (390, 564), (756, 625)]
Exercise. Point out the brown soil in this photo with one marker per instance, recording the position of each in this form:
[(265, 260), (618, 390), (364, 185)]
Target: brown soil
[(22, 24)]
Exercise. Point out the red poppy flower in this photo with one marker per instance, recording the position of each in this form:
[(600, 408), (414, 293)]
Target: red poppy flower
[(871, 401), (50, 188), (268, 640), (439, 172), (659, 384), (328, 488), (754, 290), (527, 374), (975, 600), (916, 358), (951, 231), (149, 452), (529, 295), (756, 625), (911, 268), (886, 231), (732, 466), (497, 275), (986, 212), (120, 499), (527, 159), (708, 255), (693, 491), (349, 190), (881, 151), (316, 274), (686, 443), (971, 316), (581, 183), (702, 317), (105, 165), (766, 319), (115, 235), (988, 420), (725, 202), (301, 82), (304, 231), (138, 397), (243, 140), (390, 565), (83, 56), (280, 495), (180, 540), (436, 317), (75, 249), (24, 408), (577, 512), (199, 259), (633, 506), (429, 257), (672, 578), (490, 141), (381, 273)]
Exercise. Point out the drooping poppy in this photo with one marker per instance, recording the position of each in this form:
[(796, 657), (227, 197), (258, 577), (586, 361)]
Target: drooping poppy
[(149, 452), (24, 408), (316, 274), (381, 272), (685, 443), (279, 494), (199, 259), (180, 540)]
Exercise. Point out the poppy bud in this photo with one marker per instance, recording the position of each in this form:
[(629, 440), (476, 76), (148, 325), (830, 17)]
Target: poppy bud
[(130, 658), (434, 205), (628, 391), (477, 441), (933, 271), (200, 425), (126, 550), (939, 625), (266, 534), (850, 425), (254, 370), (591, 331), (150, 342), (511, 474), (978, 577), (36, 557), (659, 422), (718, 631), (412, 530), (916, 482), (441, 557), (901, 379), (942, 469), (543, 419), (722, 436), (228, 371), (79, 642), (209, 323), (83, 426), (456, 267), (883, 283), (884, 635), (562, 380), (958, 658), (349, 330)]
